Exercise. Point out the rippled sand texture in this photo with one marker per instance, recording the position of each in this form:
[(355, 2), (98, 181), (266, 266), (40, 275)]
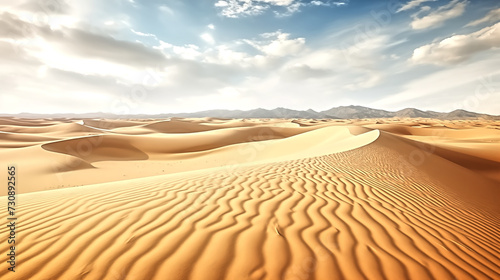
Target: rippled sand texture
[(254, 199)]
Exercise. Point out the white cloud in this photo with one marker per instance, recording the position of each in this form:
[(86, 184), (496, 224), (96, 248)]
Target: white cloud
[(238, 8), (436, 18), (368, 80), (67, 64), (450, 89), (278, 2), (188, 52), (223, 98), (115, 24), (362, 66), (225, 55), (77, 42), (208, 38), (42, 71), (163, 45), (300, 71), (339, 3), (144, 34), (57, 68), (237, 78), (290, 10), (221, 3), (166, 10), (413, 4), (492, 16), (295, 6), (229, 92), (278, 44), (327, 4), (458, 48)]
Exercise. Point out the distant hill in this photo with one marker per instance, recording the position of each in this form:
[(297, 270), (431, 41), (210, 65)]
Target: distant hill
[(356, 112), (342, 112), (415, 113)]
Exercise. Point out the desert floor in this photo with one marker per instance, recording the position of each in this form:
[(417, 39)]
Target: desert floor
[(252, 199)]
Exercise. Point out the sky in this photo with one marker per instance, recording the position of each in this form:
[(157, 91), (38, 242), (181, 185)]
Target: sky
[(171, 56)]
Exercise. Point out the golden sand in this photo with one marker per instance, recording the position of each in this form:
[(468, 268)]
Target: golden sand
[(253, 199)]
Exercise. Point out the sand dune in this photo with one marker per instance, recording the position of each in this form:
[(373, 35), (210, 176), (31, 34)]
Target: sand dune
[(254, 199)]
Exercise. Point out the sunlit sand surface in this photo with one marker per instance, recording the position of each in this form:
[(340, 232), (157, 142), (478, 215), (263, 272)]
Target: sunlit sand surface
[(254, 199)]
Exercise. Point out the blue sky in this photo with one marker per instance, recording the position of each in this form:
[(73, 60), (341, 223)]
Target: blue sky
[(132, 56)]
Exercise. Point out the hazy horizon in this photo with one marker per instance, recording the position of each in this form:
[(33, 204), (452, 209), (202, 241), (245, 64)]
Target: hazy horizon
[(134, 57), (269, 109)]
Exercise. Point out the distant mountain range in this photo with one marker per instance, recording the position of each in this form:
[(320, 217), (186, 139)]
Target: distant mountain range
[(342, 112)]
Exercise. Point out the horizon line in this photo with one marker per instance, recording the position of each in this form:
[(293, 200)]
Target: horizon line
[(259, 108)]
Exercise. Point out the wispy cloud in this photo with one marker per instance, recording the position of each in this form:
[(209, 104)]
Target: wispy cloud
[(239, 8), (459, 83), (80, 50), (296, 6), (278, 44), (458, 48), (236, 8), (436, 18), (166, 10), (208, 38), (492, 16), (413, 4), (143, 34)]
